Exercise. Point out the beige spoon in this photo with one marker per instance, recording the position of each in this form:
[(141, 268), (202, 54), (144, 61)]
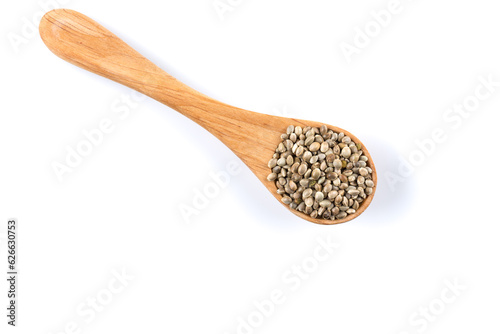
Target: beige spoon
[(252, 136)]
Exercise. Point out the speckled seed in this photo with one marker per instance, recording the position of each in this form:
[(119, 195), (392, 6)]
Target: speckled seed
[(309, 140), (307, 156), (319, 196), (321, 210), (350, 211), (316, 173), (290, 129), (272, 163), (307, 193), (307, 174), (324, 147), (346, 152), (369, 183), (309, 201), (302, 169), (353, 192), (272, 177), (323, 129), (341, 215), (363, 171), (347, 172), (289, 160), (361, 180), (300, 150), (287, 200), (337, 163), (369, 190), (332, 176), (304, 183), (314, 147), (338, 199)]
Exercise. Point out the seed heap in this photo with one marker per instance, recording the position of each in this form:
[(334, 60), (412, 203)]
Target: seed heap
[(321, 173)]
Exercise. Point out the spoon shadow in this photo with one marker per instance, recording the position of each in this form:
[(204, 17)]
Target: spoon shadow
[(395, 193)]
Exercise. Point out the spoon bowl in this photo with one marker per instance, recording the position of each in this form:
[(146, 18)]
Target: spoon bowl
[(252, 136)]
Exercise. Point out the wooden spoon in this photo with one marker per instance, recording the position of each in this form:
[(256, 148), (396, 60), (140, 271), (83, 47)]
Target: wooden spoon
[(252, 136)]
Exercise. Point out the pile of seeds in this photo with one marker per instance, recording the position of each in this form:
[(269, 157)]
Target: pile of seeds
[(321, 173)]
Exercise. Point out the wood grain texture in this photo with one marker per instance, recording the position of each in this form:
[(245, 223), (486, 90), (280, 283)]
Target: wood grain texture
[(253, 137)]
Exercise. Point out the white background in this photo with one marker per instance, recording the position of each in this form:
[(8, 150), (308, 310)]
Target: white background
[(119, 208)]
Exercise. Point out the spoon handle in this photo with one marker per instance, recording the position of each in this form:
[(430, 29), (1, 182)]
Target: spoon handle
[(83, 42)]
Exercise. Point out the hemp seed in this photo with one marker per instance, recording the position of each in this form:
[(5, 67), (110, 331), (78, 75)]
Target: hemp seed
[(321, 173)]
